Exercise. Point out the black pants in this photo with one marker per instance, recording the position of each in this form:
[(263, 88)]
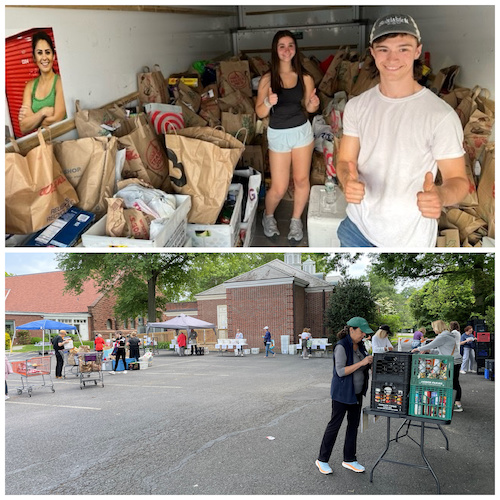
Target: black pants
[(456, 383), (134, 353), (332, 429), (59, 364), (120, 354)]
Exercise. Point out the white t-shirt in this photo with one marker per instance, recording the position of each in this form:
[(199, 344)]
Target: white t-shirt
[(305, 335), (400, 140), (379, 344)]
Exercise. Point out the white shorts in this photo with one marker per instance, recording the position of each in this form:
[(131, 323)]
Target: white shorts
[(285, 139)]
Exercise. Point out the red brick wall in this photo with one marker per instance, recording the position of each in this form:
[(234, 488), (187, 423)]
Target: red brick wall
[(181, 306), (207, 310), (315, 313), (103, 311), (22, 320), (252, 308)]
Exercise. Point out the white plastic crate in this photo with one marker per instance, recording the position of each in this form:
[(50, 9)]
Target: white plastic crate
[(255, 350), (324, 218), (219, 235), (292, 349), (172, 235)]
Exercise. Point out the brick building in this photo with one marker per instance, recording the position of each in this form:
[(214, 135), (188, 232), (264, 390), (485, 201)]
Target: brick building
[(286, 296), (41, 296)]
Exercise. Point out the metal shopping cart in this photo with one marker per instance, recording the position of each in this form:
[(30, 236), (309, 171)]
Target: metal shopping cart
[(90, 368), (70, 364), (31, 368)]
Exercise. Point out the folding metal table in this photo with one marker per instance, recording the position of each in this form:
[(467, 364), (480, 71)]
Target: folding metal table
[(408, 421)]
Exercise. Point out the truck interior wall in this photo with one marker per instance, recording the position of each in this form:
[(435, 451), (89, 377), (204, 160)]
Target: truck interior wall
[(100, 52), (462, 35)]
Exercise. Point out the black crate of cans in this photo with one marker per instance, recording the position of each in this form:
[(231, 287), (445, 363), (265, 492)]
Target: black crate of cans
[(431, 402), (392, 367), (432, 371), (390, 397)]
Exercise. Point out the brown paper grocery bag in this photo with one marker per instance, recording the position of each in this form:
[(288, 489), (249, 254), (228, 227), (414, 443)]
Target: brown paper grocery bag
[(89, 166), (465, 222), (365, 79), (237, 102), (328, 84), (152, 86), (104, 121), (233, 123), (486, 189), (145, 157), (235, 75), (36, 190), (477, 133), (201, 164)]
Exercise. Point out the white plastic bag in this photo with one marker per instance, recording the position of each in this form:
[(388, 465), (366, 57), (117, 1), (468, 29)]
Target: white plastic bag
[(149, 200)]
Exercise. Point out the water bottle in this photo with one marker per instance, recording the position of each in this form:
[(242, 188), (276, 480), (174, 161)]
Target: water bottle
[(330, 189)]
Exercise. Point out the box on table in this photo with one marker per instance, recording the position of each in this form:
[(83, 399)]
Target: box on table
[(325, 213), (219, 235), (173, 233), (63, 232)]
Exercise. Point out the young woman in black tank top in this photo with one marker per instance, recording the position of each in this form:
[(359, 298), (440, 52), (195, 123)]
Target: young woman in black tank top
[(286, 94)]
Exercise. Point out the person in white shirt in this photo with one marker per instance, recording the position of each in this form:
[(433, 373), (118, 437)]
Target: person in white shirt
[(380, 341), (397, 136), (305, 336), (238, 350)]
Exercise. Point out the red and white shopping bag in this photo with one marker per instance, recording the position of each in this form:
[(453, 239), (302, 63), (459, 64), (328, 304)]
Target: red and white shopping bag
[(164, 117)]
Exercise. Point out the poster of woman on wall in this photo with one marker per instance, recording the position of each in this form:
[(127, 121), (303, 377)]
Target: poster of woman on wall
[(33, 82)]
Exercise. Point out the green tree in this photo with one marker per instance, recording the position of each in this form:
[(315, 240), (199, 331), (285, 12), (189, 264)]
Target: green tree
[(134, 278), (443, 299), (211, 269), (457, 268), (351, 297)]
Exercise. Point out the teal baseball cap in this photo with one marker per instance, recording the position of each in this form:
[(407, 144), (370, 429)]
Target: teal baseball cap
[(361, 323)]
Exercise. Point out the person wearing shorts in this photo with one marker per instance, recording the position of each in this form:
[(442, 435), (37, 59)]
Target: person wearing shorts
[(286, 94)]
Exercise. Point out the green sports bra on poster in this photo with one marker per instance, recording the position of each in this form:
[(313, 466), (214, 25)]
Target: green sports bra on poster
[(48, 101)]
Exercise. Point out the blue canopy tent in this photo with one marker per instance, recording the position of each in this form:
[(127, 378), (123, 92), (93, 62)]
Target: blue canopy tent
[(46, 324)]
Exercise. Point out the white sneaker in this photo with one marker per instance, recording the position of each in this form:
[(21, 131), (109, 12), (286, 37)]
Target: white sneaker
[(124, 372), (473, 371), (463, 372), (112, 372), (7, 397)]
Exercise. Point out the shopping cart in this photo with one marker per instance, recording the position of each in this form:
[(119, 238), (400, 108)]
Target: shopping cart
[(31, 368), (70, 364), (90, 368)]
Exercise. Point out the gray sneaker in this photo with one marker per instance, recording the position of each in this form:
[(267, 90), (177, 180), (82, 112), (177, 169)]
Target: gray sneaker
[(296, 232), (270, 225)]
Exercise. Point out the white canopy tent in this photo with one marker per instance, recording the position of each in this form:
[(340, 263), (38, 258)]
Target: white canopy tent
[(182, 322)]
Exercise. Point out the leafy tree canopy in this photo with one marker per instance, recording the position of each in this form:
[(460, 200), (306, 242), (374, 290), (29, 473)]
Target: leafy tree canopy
[(351, 297)]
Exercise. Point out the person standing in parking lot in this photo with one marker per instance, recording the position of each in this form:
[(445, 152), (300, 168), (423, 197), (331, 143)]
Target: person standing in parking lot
[(349, 384)]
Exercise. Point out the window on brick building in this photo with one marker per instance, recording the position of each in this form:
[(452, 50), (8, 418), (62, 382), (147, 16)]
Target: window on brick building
[(132, 323), (125, 324), (140, 321), (109, 324)]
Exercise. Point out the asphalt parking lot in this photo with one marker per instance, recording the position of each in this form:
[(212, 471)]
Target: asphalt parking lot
[(200, 425)]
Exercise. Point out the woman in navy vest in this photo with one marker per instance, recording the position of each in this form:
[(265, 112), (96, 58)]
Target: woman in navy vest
[(351, 364)]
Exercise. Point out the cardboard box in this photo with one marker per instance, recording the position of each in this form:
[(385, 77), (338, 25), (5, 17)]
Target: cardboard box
[(63, 232), (173, 234)]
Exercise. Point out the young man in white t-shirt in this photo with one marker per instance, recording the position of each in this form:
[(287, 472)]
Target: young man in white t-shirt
[(397, 136)]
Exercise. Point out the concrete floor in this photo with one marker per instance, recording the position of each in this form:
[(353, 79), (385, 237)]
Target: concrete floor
[(283, 215)]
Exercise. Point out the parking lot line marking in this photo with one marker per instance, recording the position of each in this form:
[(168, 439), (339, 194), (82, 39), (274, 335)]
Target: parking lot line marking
[(54, 406)]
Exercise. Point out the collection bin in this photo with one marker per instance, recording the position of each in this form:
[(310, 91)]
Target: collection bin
[(431, 371), (391, 397), (392, 367), (431, 402)]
